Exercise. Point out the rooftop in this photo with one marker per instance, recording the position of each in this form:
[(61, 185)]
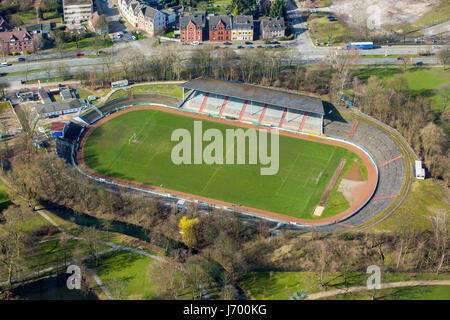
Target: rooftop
[(59, 106), (254, 93), (198, 19), (76, 2), (214, 21)]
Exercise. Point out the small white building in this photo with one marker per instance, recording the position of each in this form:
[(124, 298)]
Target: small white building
[(419, 170)]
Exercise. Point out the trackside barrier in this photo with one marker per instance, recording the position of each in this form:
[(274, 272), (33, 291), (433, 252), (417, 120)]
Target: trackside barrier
[(205, 205)]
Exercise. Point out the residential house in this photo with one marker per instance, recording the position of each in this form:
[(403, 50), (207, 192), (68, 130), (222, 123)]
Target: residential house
[(150, 20), (272, 28), (242, 28), (192, 28), (4, 25), (77, 11), (95, 27), (171, 16), (13, 42), (129, 10), (220, 28)]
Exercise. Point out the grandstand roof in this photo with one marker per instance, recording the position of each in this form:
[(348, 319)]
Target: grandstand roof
[(254, 93)]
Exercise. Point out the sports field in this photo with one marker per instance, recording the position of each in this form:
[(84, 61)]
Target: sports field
[(137, 146)]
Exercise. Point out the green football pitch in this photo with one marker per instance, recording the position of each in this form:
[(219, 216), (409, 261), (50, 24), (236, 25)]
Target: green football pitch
[(137, 146)]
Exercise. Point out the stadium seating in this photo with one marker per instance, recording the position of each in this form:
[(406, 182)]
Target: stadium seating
[(195, 101), (273, 116), (253, 111), (313, 124), (233, 108), (293, 120), (214, 104)]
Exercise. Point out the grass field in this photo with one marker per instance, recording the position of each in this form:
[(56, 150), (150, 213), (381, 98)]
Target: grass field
[(402, 293), (325, 30), (421, 81), (424, 198), (4, 199), (281, 285), (129, 268), (305, 167)]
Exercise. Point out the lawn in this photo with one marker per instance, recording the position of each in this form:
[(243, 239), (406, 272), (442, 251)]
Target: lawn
[(281, 285), (423, 199), (305, 167), (421, 81), (5, 202), (402, 293), (129, 268), (325, 30)]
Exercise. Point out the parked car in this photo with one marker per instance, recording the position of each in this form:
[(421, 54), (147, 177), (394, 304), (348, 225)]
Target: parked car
[(269, 47), (216, 47), (195, 43), (79, 54), (134, 38), (4, 64), (227, 43), (124, 31), (248, 42), (250, 47), (259, 46), (21, 59), (419, 63), (240, 47), (275, 42)]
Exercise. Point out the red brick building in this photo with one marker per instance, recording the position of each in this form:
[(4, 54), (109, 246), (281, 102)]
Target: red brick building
[(220, 28), (192, 28), (16, 42)]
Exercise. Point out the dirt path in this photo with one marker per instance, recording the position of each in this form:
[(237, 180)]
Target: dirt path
[(366, 190), (321, 295)]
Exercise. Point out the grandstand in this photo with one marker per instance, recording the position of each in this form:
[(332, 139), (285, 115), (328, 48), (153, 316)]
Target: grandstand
[(254, 104)]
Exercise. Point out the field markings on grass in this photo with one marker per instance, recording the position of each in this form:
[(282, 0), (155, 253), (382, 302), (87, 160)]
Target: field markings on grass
[(125, 145), (217, 169)]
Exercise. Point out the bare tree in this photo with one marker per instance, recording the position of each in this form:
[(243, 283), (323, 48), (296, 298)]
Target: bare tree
[(13, 242), (444, 56), (440, 225)]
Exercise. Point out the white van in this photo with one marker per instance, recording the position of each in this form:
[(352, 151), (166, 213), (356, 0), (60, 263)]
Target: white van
[(195, 43)]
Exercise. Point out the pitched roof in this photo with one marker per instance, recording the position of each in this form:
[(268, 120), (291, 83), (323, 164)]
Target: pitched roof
[(198, 19), (4, 25), (214, 21), (149, 12), (59, 106), (242, 22), (273, 24), (254, 93), (18, 35)]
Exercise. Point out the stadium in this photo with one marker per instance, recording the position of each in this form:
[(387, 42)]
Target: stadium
[(255, 104), (320, 155)]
